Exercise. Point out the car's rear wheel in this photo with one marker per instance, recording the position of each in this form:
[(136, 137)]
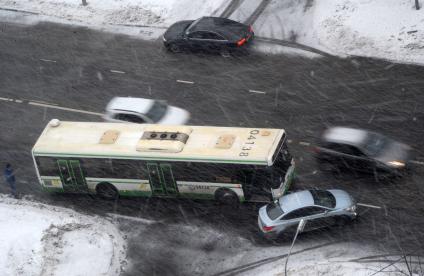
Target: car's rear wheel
[(225, 53), (227, 197), (107, 191)]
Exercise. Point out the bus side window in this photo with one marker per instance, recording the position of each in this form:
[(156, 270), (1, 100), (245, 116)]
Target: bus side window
[(130, 169)]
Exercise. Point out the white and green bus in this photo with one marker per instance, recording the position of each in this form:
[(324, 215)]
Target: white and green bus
[(229, 164)]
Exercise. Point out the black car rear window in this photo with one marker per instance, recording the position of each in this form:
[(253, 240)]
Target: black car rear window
[(323, 198), (274, 211)]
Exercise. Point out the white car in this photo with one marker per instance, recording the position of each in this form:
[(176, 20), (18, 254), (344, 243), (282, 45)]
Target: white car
[(144, 111)]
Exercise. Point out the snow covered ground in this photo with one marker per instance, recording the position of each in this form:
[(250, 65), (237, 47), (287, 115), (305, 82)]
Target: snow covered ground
[(38, 239), (388, 29)]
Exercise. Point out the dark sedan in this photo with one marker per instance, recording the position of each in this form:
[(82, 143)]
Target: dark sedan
[(207, 33)]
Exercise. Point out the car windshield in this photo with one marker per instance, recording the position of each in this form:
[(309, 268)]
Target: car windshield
[(374, 143), (323, 198), (274, 211), (192, 25), (157, 111)]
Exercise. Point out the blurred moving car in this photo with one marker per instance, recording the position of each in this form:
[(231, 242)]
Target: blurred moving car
[(320, 208), (207, 33), (144, 111), (362, 150)]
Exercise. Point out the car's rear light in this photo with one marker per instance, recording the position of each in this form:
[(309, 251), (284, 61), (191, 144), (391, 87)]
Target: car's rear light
[(241, 42), (267, 228)]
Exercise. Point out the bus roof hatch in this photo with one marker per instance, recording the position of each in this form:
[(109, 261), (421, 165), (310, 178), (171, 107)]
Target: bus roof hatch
[(164, 139)]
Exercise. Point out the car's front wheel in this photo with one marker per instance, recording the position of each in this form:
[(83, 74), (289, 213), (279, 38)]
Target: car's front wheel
[(174, 48)]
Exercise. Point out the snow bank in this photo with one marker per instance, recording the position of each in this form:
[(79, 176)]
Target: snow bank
[(37, 239), (387, 29), (152, 13)]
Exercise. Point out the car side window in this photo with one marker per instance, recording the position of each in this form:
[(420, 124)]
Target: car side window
[(303, 212), (351, 150), (129, 118), (357, 152), (197, 35), (213, 36), (346, 149)]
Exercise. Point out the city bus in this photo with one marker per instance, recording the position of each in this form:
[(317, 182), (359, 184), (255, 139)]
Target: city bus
[(229, 164)]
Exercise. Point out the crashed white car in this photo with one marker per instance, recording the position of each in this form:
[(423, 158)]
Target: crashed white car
[(144, 111)]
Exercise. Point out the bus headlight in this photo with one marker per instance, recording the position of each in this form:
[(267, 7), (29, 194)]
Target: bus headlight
[(164, 39), (397, 164)]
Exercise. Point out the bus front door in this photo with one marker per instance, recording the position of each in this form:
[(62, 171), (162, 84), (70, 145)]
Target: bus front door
[(162, 180), (73, 179)]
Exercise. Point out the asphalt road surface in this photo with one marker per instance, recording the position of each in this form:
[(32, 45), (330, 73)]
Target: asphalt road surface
[(81, 70)]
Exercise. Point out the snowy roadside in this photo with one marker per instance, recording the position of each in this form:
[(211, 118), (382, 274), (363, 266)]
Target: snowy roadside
[(145, 19), (385, 29), (38, 239)]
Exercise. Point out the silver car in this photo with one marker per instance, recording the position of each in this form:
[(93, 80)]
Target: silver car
[(320, 208), (144, 111), (362, 150)]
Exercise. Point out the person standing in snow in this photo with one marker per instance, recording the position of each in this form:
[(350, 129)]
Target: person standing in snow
[(9, 175)]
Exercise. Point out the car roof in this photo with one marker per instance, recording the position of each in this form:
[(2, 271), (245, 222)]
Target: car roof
[(138, 105), (296, 200), (345, 135), (228, 28)]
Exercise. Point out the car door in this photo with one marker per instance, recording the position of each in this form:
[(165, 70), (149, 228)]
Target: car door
[(355, 159), (361, 161), (215, 41), (290, 221), (197, 40), (319, 217)]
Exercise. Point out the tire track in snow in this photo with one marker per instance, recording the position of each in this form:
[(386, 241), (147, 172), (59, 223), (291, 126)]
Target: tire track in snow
[(231, 8), (257, 12), (250, 266), (292, 45)]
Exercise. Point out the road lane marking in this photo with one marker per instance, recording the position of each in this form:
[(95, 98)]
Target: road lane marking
[(184, 81), (47, 60), (304, 144), (6, 99), (417, 162), (368, 205), (65, 108), (18, 101), (42, 102), (142, 220), (117, 71), (256, 91)]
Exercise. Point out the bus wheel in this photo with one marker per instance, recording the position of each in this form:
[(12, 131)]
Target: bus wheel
[(107, 191), (227, 197)]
